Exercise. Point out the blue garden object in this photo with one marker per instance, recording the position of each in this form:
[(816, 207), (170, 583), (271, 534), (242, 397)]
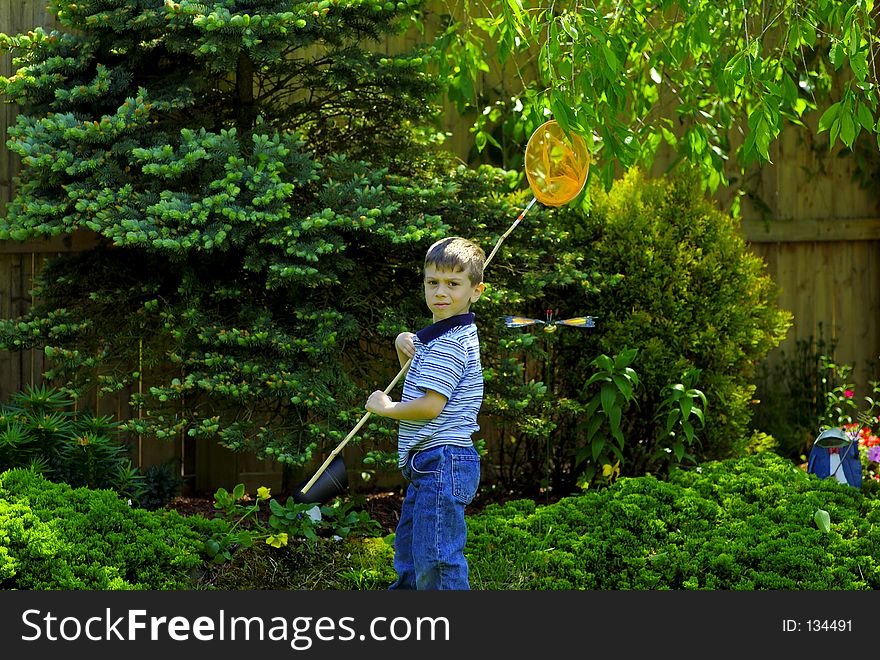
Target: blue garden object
[(836, 454)]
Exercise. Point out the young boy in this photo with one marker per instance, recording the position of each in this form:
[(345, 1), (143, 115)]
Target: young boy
[(442, 394)]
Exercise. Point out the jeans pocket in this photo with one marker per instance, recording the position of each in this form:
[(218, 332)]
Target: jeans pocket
[(428, 460), (465, 477)]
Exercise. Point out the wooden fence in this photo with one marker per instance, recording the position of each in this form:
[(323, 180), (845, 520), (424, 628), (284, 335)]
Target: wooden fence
[(817, 230), (819, 234)]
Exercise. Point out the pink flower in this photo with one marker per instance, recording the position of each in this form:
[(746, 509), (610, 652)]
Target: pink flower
[(848, 394)]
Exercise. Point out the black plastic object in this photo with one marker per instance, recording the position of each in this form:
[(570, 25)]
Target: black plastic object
[(332, 482)]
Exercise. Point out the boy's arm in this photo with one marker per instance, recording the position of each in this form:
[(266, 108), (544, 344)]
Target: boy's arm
[(424, 407)]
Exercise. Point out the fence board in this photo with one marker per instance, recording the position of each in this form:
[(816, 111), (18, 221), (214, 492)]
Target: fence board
[(24, 367), (10, 363), (811, 229), (835, 284)]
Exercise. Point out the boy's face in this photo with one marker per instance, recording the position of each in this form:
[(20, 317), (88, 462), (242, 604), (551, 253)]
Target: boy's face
[(449, 293)]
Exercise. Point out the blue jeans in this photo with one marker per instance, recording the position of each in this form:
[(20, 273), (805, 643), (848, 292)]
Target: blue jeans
[(431, 534)]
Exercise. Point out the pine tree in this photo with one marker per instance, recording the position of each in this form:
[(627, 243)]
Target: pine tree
[(257, 174)]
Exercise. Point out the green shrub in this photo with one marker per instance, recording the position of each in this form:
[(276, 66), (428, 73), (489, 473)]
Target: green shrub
[(53, 536), (692, 296), (40, 428), (160, 484), (743, 524)]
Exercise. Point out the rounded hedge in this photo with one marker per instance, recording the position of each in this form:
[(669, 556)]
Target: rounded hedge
[(739, 524), (691, 295), (53, 536)]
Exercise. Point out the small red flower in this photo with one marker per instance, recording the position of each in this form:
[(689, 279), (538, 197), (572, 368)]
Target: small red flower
[(848, 394)]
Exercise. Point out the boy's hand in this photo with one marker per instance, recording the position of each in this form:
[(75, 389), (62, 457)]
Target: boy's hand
[(404, 344), (379, 402)]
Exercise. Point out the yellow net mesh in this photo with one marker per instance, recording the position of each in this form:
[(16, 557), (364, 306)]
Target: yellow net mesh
[(556, 165)]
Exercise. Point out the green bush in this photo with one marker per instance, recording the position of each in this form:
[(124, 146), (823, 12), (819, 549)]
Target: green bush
[(53, 536), (692, 296), (743, 524), (40, 428), (160, 484)]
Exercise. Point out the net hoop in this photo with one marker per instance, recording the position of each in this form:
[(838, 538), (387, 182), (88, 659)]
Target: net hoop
[(557, 165)]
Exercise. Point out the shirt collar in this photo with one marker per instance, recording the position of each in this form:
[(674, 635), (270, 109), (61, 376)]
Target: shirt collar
[(434, 330)]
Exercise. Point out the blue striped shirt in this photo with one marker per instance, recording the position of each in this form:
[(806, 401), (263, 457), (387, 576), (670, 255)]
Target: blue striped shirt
[(447, 360)]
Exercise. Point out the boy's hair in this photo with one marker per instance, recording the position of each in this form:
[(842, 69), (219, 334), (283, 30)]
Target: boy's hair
[(455, 253)]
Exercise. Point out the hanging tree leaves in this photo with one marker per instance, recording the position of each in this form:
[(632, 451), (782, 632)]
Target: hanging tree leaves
[(715, 81)]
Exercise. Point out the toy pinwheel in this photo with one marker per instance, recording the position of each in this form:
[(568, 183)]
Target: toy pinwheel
[(550, 324)]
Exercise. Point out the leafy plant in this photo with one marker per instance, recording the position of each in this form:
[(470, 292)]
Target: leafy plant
[(840, 405), (55, 537), (701, 74), (223, 543), (345, 517), (675, 411), (791, 394), (859, 422), (160, 484), (286, 521), (616, 382), (40, 429)]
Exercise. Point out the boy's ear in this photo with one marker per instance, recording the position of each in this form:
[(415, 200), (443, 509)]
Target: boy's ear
[(478, 291)]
